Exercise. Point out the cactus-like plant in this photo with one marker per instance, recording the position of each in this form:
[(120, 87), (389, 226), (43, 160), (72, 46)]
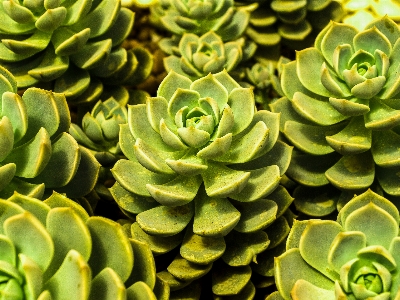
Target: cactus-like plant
[(340, 110), (76, 44), (356, 257), (52, 249), (196, 56), (36, 152), (360, 13), (200, 17), (201, 162)]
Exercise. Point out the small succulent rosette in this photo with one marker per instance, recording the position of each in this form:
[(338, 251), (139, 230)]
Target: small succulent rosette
[(73, 44), (200, 17), (195, 57), (341, 111), (100, 130), (36, 151), (293, 23), (52, 249), (360, 13), (264, 76), (357, 257), (201, 164)]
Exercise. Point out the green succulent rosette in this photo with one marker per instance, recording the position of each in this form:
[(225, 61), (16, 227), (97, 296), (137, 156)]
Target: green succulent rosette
[(201, 164), (341, 110), (36, 151), (264, 77), (75, 45), (100, 130), (200, 17), (195, 57), (360, 13), (52, 249), (356, 257)]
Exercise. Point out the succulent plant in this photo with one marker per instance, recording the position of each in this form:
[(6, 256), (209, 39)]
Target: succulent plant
[(295, 23), (195, 57), (36, 150), (350, 78), (52, 249), (76, 44), (200, 17), (201, 162), (100, 129), (264, 76), (360, 13), (356, 257)]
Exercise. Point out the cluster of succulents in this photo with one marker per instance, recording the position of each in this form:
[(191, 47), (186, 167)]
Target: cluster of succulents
[(72, 45), (186, 157)]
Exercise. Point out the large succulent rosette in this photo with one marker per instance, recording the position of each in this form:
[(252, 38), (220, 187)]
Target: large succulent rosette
[(357, 257), (200, 17), (196, 56), (202, 165), (36, 152), (74, 43), (52, 249), (341, 108)]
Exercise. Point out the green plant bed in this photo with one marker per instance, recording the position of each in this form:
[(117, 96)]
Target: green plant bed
[(191, 149)]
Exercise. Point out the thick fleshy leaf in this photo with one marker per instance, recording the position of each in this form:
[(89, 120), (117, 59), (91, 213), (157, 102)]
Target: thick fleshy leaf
[(290, 267), (13, 108), (337, 34), (302, 289), (352, 107), (6, 137), (77, 270), (316, 201), (216, 148), (140, 291), (221, 181), (353, 139), (241, 101), (386, 228), (131, 202), (323, 233), (352, 172), (389, 180), (30, 237), (310, 139), (144, 267), (307, 61), (112, 245), (247, 146), (133, 177), (179, 191), (165, 221), (363, 41), (369, 88), (385, 145), (261, 183), (77, 236), (173, 283), (256, 215), (214, 217), (185, 270), (201, 250), (157, 244), (243, 253), (344, 248), (381, 116), (312, 109), (66, 153), (107, 285), (228, 281), (171, 83), (209, 86), (33, 276)]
